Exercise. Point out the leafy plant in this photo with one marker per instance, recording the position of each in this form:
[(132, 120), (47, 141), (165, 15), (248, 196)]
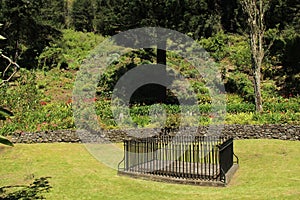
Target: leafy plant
[(5, 141), (216, 45), (69, 51), (240, 83), (3, 115), (239, 53)]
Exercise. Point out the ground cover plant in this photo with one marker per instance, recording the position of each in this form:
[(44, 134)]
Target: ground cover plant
[(42, 100), (269, 169)]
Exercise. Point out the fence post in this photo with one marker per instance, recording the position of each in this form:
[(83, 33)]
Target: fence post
[(225, 157)]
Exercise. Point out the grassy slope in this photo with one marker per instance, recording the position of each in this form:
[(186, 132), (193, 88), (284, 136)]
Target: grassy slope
[(269, 169)]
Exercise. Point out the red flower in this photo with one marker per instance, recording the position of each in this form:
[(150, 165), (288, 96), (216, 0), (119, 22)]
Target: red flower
[(43, 103), (69, 101)]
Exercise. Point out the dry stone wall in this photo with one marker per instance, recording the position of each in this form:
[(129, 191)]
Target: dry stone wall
[(283, 132)]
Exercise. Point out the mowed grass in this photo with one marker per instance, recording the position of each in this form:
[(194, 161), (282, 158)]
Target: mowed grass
[(269, 169)]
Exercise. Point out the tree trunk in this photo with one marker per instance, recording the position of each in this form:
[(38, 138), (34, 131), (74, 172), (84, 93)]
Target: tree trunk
[(257, 54), (255, 11), (257, 88)]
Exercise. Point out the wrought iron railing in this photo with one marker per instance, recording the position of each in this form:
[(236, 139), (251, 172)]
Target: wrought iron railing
[(206, 158)]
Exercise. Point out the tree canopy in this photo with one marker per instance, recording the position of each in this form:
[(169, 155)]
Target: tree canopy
[(26, 29), (31, 25)]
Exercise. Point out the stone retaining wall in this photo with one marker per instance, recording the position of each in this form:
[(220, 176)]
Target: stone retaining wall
[(283, 132)]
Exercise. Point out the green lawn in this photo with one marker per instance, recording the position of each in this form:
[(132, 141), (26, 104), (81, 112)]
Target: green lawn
[(269, 169)]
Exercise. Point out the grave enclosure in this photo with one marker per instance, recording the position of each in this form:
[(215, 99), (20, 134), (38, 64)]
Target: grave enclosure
[(199, 160)]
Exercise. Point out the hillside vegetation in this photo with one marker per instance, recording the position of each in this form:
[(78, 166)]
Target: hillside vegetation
[(51, 39)]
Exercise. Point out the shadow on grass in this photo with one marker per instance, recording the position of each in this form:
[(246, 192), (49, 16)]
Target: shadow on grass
[(26, 192)]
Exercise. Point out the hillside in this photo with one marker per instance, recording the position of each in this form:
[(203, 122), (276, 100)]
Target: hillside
[(51, 39), (42, 99)]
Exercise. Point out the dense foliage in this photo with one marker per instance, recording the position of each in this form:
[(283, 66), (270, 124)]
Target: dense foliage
[(51, 39), (27, 30), (83, 15)]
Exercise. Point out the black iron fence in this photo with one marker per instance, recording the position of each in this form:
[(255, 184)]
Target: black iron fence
[(207, 158)]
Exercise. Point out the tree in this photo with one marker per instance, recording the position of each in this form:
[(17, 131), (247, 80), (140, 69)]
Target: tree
[(83, 15), (53, 12), (199, 18), (255, 11), (232, 18), (287, 14), (27, 34)]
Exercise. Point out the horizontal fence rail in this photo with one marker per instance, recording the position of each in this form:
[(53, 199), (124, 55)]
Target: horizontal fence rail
[(207, 158)]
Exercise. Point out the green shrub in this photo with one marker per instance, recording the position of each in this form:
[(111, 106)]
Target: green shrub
[(31, 113), (70, 51), (234, 47), (216, 45), (269, 89), (263, 118), (239, 52), (240, 118), (233, 98), (239, 83), (103, 110), (281, 107), (269, 118), (52, 116), (240, 108), (22, 98)]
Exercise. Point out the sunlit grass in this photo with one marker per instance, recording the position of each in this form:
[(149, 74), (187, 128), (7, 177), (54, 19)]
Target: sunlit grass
[(269, 169)]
